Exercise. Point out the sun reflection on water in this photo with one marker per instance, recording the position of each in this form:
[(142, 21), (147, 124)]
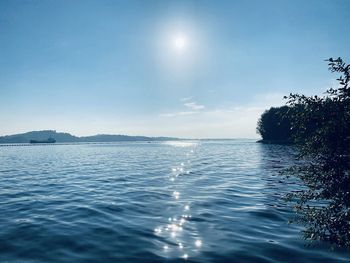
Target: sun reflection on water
[(176, 194), (198, 243), (178, 229), (182, 143)]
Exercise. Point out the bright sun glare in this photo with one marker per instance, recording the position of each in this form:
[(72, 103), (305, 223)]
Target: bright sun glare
[(180, 42)]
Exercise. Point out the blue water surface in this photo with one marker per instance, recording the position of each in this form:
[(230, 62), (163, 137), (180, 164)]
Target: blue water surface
[(191, 201)]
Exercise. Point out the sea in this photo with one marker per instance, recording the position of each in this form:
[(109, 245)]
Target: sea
[(170, 201)]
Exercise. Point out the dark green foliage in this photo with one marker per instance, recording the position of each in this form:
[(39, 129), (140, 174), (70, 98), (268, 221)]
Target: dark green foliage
[(321, 128), (275, 125)]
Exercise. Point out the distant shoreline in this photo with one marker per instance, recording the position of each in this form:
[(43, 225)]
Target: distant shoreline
[(69, 143), (62, 137)]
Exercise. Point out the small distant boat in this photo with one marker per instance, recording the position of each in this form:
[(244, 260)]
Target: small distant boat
[(49, 140)]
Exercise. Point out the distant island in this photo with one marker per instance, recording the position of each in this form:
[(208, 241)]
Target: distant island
[(49, 140), (61, 137)]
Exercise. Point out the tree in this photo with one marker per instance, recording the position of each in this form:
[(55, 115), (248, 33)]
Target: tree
[(321, 128), (275, 125)]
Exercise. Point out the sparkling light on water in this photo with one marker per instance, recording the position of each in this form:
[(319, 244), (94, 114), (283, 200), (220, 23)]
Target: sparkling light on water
[(175, 228), (176, 194), (198, 243)]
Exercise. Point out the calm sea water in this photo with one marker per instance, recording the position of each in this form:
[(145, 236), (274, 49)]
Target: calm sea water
[(201, 201)]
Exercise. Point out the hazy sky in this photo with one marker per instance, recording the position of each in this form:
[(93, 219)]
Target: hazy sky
[(172, 68)]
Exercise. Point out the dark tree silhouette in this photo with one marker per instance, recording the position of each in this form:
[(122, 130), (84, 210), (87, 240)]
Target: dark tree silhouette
[(321, 128), (274, 125)]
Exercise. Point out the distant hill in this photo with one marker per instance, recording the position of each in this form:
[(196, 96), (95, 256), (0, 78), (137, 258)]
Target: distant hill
[(66, 137)]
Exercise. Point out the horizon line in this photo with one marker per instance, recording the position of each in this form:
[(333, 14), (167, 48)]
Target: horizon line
[(150, 136)]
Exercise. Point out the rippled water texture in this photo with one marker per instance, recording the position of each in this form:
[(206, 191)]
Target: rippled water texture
[(207, 201)]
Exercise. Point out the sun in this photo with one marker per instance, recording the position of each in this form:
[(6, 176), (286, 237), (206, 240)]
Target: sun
[(180, 42)]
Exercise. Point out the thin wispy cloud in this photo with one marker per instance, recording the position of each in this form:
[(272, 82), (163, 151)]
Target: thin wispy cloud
[(194, 106), (219, 121)]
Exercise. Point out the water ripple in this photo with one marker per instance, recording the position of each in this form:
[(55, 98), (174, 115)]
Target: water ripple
[(194, 201)]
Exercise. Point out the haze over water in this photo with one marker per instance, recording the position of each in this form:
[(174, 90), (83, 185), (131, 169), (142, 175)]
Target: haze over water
[(194, 201)]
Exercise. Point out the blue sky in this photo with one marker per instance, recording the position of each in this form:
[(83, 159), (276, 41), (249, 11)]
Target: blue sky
[(89, 67)]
